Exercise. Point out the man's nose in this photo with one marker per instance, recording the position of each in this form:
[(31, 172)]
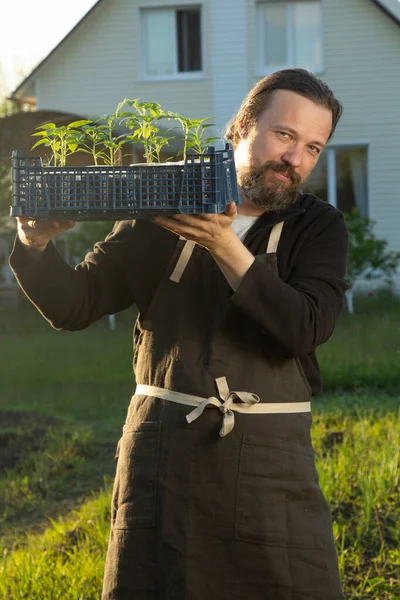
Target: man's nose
[(293, 156)]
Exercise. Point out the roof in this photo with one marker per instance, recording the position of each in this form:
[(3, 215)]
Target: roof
[(390, 7), (31, 75)]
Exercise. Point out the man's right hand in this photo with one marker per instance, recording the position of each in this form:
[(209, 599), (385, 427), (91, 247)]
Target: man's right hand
[(36, 234)]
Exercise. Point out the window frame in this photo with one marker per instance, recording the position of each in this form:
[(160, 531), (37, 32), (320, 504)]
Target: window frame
[(261, 68), (331, 182), (177, 75)]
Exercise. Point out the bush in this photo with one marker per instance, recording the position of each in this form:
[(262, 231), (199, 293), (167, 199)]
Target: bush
[(368, 256)]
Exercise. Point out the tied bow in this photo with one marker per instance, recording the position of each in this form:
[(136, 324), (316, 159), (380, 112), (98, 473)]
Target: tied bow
[(228, 398)]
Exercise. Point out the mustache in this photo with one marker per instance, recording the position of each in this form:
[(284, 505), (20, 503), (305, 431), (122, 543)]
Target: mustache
[(269, 194), (286, 170)]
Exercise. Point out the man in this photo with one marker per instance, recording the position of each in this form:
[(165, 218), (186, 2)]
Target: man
[(216, 493)]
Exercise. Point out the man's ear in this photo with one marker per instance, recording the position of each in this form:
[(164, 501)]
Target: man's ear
[(242, 130)]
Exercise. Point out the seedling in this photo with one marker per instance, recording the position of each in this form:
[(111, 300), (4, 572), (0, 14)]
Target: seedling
[(143, 126), (62, 141), (101, 133), (194, 131)]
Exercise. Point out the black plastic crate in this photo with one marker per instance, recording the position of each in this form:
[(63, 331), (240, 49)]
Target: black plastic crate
[(204, 183)]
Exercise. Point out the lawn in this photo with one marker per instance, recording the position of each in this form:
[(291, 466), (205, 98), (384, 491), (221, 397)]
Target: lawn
[(63, 400)]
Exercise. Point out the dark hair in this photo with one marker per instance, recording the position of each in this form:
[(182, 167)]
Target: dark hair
[(300, 81)]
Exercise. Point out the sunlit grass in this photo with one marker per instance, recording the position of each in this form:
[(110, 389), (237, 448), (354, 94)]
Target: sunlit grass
[(74, 390)]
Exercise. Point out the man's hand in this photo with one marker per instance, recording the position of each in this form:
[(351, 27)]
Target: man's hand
[(214, 232), (210, 231), (36, 234)]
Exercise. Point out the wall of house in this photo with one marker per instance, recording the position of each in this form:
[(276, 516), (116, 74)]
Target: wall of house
[(362, 65), (229, 58), (99, 65)]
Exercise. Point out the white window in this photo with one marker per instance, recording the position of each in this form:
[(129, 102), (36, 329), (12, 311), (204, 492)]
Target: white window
[(289, 34), (171, 42), (341, 178)]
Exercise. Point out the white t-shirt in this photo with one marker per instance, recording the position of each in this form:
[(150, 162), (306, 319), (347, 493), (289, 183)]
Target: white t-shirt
[(242, 224)]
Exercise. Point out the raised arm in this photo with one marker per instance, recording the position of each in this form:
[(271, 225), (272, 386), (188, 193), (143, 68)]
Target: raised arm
[(299, 314), (111, 278)]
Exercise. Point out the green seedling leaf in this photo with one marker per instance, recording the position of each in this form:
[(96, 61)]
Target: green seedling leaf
[(39, 133), (78, 123), (133, 136), (42, 142), (130, 102), (47, 126), (119, 107)]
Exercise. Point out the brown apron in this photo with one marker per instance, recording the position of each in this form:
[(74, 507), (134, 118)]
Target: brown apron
[(198, 514)]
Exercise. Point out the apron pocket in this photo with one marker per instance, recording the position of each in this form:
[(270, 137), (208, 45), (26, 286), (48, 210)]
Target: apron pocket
[(135, 487), (278, 499)]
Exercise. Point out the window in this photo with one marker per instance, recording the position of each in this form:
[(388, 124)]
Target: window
[(171, 41), (289, 34), (341, 178)]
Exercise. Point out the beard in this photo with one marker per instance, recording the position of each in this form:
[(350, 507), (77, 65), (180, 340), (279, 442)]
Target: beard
[(266, 191)]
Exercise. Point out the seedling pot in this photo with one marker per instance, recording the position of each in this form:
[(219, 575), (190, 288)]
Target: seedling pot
[(203, 183)]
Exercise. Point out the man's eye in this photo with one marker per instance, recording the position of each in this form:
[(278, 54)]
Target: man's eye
[(314, 149), (283, 133)]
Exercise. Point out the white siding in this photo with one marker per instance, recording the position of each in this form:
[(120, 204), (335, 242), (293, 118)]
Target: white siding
[(362, 66), (98, 65), (362, 60), (251, 44), (229, 58)]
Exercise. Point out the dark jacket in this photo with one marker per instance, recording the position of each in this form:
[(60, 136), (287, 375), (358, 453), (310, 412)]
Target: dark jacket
[(296, 310)]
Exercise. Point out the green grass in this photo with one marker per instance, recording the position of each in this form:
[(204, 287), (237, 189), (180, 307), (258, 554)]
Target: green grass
[(357, 444), (64, 563), (63, 401), (364, 351)]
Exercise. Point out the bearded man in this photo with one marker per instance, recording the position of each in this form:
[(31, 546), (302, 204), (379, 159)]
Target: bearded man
[(216, 494)]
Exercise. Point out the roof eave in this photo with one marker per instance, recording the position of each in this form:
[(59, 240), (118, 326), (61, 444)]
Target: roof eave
[(390, 7), (19, 91)]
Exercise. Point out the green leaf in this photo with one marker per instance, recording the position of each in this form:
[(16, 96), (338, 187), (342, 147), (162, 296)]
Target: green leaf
[(75, 124), (39, 133), (134, 136), (367, 256), (47, 126), (41, 143)]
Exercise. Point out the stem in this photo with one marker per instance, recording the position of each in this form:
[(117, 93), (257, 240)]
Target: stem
[(53, 148), (185, 142), (62, 152), (110, 140)]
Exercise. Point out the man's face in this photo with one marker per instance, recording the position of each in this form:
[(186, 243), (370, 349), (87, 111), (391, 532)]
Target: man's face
[(274, 158)]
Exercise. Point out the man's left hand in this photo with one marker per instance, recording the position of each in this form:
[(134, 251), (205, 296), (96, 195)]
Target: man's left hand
[(210, 231)]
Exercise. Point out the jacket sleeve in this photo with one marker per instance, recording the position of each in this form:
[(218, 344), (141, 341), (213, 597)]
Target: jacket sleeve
[(110, 279), (299, 314)]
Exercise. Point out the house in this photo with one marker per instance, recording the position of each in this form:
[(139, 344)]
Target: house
[(200, 57)]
